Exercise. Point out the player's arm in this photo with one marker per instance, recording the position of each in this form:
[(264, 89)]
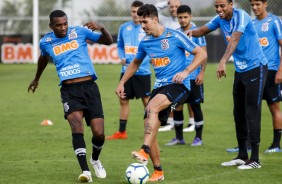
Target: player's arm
[(278, 76), (120, 47), (130, 71), (41, 65), (199, 57), (106, 38), (233, 42), (200, 78), (202, 31)]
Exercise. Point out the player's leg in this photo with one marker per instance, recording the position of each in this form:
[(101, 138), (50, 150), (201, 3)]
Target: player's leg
[(178, 125), (158, 173), (199, 124)]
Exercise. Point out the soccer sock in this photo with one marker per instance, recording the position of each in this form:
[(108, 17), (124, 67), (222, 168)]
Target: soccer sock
[(146, 148), (178, 124), (122, 125), (191, 121), (97, 145), (80, 150), (255, 151), (199, 128), (276, 137), (158, 167)]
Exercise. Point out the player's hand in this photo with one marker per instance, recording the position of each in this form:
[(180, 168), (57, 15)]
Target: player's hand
[(93, 26), (189, 33), (120, 91), (123, 61), (278, 77), (32, 86), (200, 79), (221, 70), (179, 77)]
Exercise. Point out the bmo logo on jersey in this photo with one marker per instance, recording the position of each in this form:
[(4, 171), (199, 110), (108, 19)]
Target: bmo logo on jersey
[(59, 49), (160, 62)]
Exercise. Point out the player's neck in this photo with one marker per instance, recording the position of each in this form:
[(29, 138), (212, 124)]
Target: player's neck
[(159, 31), (262, 16)]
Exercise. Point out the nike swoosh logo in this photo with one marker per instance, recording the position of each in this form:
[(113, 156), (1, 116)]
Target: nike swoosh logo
[(252, 80)]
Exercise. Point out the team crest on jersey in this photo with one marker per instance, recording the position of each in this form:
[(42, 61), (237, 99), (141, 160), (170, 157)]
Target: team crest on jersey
[(164, 44), (168, 34), (72, 34), (264, 27), (48, 39), (129, 28)]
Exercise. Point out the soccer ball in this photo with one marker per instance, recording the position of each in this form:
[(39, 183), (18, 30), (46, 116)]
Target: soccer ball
[(137, 173)]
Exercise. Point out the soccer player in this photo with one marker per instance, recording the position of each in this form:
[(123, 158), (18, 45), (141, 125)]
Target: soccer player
[(166, 49), (139, 85), (196, 96), (169, 21), (79, 93), (269, 29), (249, 79)]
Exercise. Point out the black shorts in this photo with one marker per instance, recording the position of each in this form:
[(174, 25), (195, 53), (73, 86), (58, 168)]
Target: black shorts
[(196, 95), (176, 93), (137, 86), (82, 96), (272, 91)]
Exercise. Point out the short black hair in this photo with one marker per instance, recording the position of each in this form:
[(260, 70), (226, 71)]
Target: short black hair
[(264, 1), (184, 9), (147, 10), (230, 1), (56, 13), (137, 4)]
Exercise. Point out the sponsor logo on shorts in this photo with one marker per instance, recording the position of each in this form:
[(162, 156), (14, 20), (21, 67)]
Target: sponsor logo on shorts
[(66, 107)]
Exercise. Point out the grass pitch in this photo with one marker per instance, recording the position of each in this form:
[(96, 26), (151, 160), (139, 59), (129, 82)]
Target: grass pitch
[(31, 153)]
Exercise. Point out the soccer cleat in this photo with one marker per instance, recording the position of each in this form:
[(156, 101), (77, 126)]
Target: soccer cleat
[(235, 161), (100, 171), (273, 150), (236, 149), (85, 177), (175, 141), (189, 128), (250, 164), (166, 128), (197, 142), (157, 176), (117, 135), (140, 156)]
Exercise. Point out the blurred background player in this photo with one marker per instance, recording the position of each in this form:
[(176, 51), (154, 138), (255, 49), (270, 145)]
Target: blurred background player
[(172, 22), (80, 94), (172, 83), (139, 85), (249, 79), (196, 95), (268, 27)]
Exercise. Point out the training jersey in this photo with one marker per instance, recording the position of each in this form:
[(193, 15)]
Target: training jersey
[(70, 54), (201, 41), (269, 32), (129, 37), (167, 55), (248, 53)]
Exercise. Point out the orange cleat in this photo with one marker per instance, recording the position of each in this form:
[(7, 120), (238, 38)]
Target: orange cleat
[(140, 156), (117, 135), (157, 176)]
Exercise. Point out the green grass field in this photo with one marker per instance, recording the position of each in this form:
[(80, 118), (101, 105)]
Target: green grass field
[(31, 153)]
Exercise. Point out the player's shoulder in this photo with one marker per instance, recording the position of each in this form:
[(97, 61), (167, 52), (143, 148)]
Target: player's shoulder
[(127, 26), (272, 17), (48, 37)]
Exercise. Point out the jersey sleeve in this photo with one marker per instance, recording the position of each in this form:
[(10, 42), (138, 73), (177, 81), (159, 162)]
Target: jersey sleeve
[(120, 44), (91, 35), (242, 20), (201, 41), (185, 43), (214, 23), (42, 48), (141, 53), (277, 28)]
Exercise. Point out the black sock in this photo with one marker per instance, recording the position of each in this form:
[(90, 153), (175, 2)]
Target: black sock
[(97, 147), (199, 130), (178, 124), (276, 137), (80, 150), (146, 148), (122, 125), (158, 167)]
